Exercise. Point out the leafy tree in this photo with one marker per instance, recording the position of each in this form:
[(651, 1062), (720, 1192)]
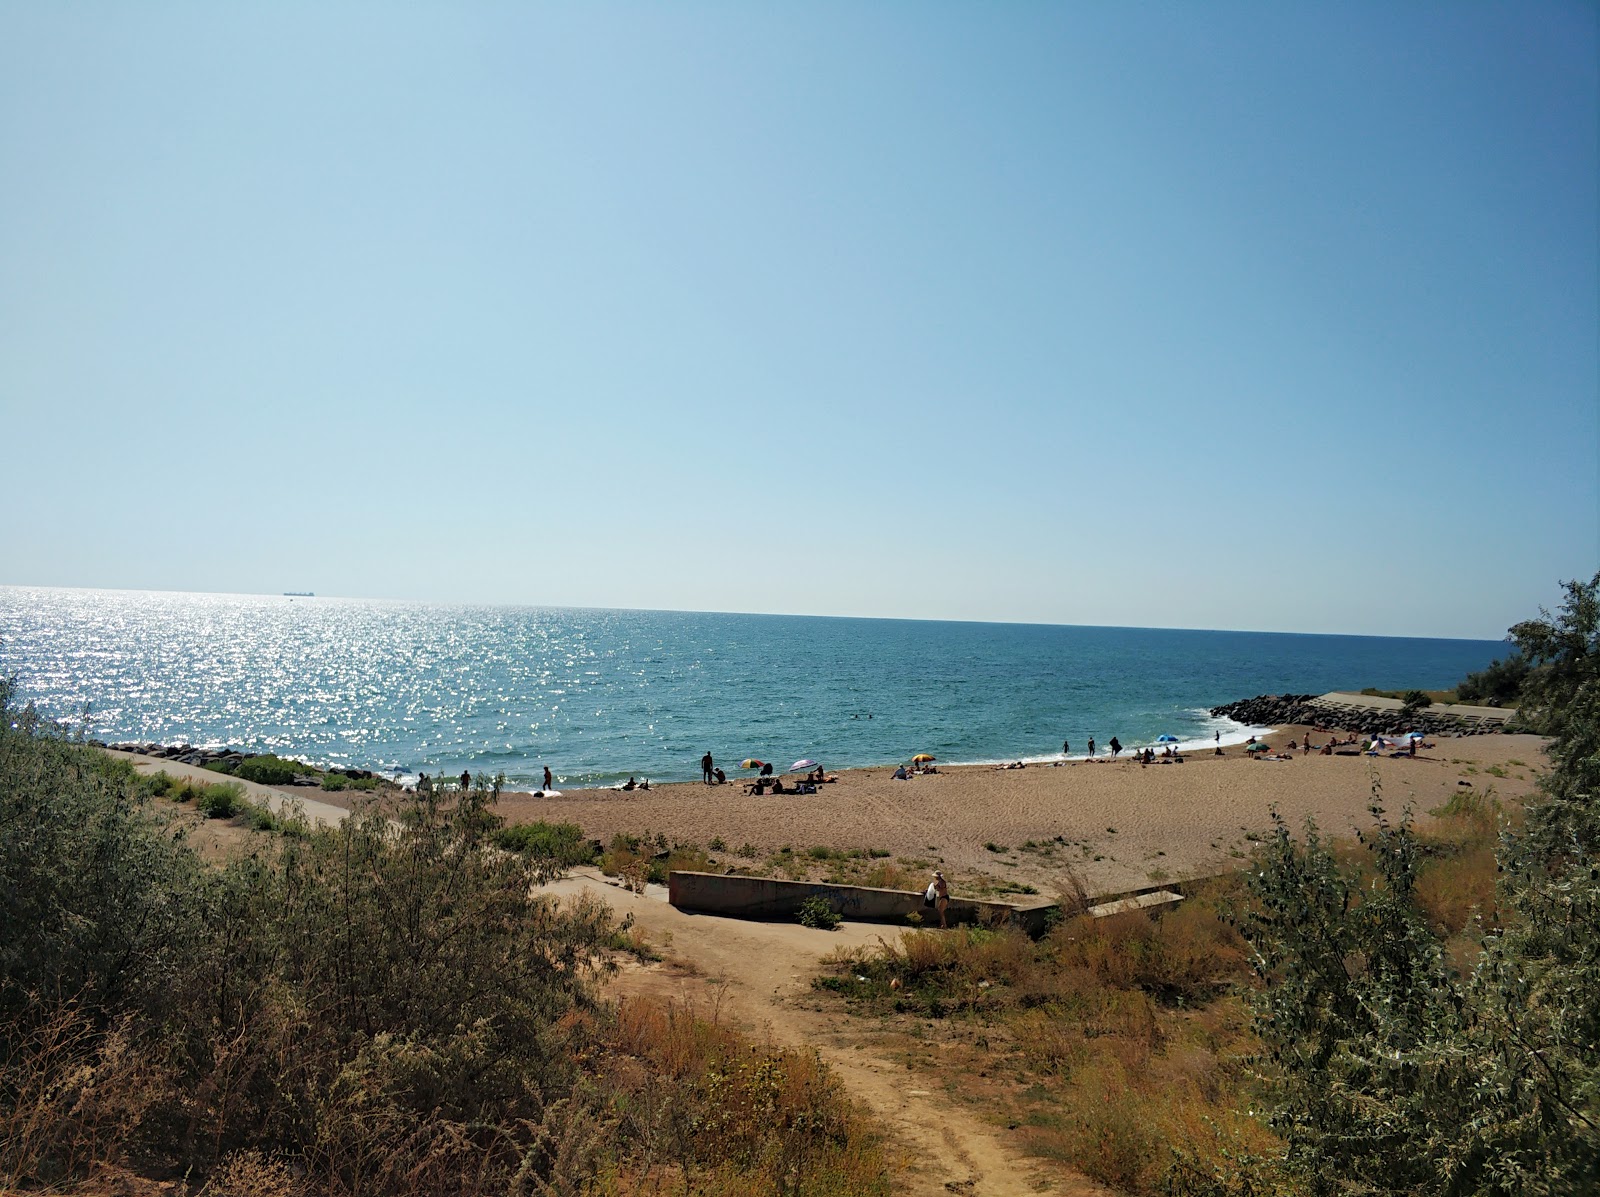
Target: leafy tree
[(1413, 702), (1499, 685), (1392, 1074)]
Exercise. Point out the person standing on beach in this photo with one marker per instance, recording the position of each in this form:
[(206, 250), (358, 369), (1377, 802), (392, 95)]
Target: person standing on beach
[(1091, 745), (547, 777), (466, 780), (941, 896), (706, 766), (1066, 748), (1115, 748)]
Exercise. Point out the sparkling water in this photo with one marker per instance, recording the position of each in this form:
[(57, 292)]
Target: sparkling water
[(602, 695)]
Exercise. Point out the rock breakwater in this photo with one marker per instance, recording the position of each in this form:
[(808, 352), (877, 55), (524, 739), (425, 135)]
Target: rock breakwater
[(228, 760), (1324, 711)]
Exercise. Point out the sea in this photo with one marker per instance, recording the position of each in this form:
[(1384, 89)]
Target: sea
[(602, 695)]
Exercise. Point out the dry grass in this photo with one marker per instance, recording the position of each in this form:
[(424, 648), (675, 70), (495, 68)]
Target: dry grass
[(718, 1114), (1109, 1043)]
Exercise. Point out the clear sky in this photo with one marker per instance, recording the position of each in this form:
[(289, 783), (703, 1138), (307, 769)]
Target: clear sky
[(1263, 316)]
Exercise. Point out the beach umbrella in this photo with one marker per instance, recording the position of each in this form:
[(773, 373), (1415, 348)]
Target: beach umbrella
[(1258, 746), (808, 763), (1166, 739), (752, 763), (1414, 736), (923, 758)]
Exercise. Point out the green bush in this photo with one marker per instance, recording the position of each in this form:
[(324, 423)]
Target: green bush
[(386, 1004), (156, 785), (1500, 685), (561, 843), (220, 801), (269, 770), (817, 912)]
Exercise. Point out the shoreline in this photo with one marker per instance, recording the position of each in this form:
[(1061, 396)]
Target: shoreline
[(1114, 826), (1110, 826)]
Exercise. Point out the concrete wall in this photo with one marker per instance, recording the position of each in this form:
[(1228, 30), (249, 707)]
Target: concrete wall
[(769, 898)]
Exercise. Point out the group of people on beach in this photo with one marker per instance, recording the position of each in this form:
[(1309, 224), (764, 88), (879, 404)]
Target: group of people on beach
[(1115, 746)]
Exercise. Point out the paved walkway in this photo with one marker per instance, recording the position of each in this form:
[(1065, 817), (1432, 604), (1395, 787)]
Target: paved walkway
[(1456, 710), (280, 801)]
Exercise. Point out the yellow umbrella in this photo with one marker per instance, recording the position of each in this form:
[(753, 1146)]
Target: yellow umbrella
[(923, 757)]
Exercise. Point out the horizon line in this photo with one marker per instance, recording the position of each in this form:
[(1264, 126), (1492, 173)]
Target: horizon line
[(1502, 639)]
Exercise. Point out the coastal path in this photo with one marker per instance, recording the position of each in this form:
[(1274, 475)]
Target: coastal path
[(279, 801), (758, 976)]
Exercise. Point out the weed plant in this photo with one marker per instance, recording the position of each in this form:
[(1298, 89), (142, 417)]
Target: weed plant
[(381, 1008)]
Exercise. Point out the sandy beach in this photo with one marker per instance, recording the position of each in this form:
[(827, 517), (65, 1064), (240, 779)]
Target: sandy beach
[(1121, 826)]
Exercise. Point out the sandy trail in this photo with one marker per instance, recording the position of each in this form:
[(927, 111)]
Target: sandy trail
[(758, 977)]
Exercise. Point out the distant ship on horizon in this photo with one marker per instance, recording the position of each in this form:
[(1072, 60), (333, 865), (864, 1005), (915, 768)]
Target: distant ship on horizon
[(299, 594)]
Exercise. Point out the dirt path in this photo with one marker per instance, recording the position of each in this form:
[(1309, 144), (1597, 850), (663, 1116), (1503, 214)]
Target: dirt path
[(758, 976)]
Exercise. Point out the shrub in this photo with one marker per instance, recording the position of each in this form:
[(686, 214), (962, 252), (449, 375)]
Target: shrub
[(817, 912), (220, 801), (558, 845), (156, 785), (383, 1007), (269, 770), (1498, 685)]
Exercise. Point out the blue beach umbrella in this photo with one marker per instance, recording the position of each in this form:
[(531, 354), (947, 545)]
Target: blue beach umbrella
[(1166, 739)]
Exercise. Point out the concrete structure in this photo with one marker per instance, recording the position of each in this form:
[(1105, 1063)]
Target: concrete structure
[(1461, 713), (770, 898), (1160, 897)]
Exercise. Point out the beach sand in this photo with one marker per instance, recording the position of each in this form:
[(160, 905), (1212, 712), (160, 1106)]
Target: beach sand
[(1121, 827)]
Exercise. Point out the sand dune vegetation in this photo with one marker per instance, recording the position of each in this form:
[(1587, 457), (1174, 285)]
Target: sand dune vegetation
[(362, 1010)]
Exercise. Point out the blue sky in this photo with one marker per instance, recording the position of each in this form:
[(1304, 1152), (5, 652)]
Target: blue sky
[(1266, 316)]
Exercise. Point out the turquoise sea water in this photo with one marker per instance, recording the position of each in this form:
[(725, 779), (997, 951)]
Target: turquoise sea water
[(602, 695)]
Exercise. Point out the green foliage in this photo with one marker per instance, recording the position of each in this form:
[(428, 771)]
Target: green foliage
[(1392, 1073), (1414, 701), (94, 893), (335, 782), (817, 912), (1500, 685), (269, 770), (221, 801), (384, 1007), (555, 846)]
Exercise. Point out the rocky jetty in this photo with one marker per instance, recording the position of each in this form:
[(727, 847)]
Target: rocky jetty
[(228, 758), (1276, 710)]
